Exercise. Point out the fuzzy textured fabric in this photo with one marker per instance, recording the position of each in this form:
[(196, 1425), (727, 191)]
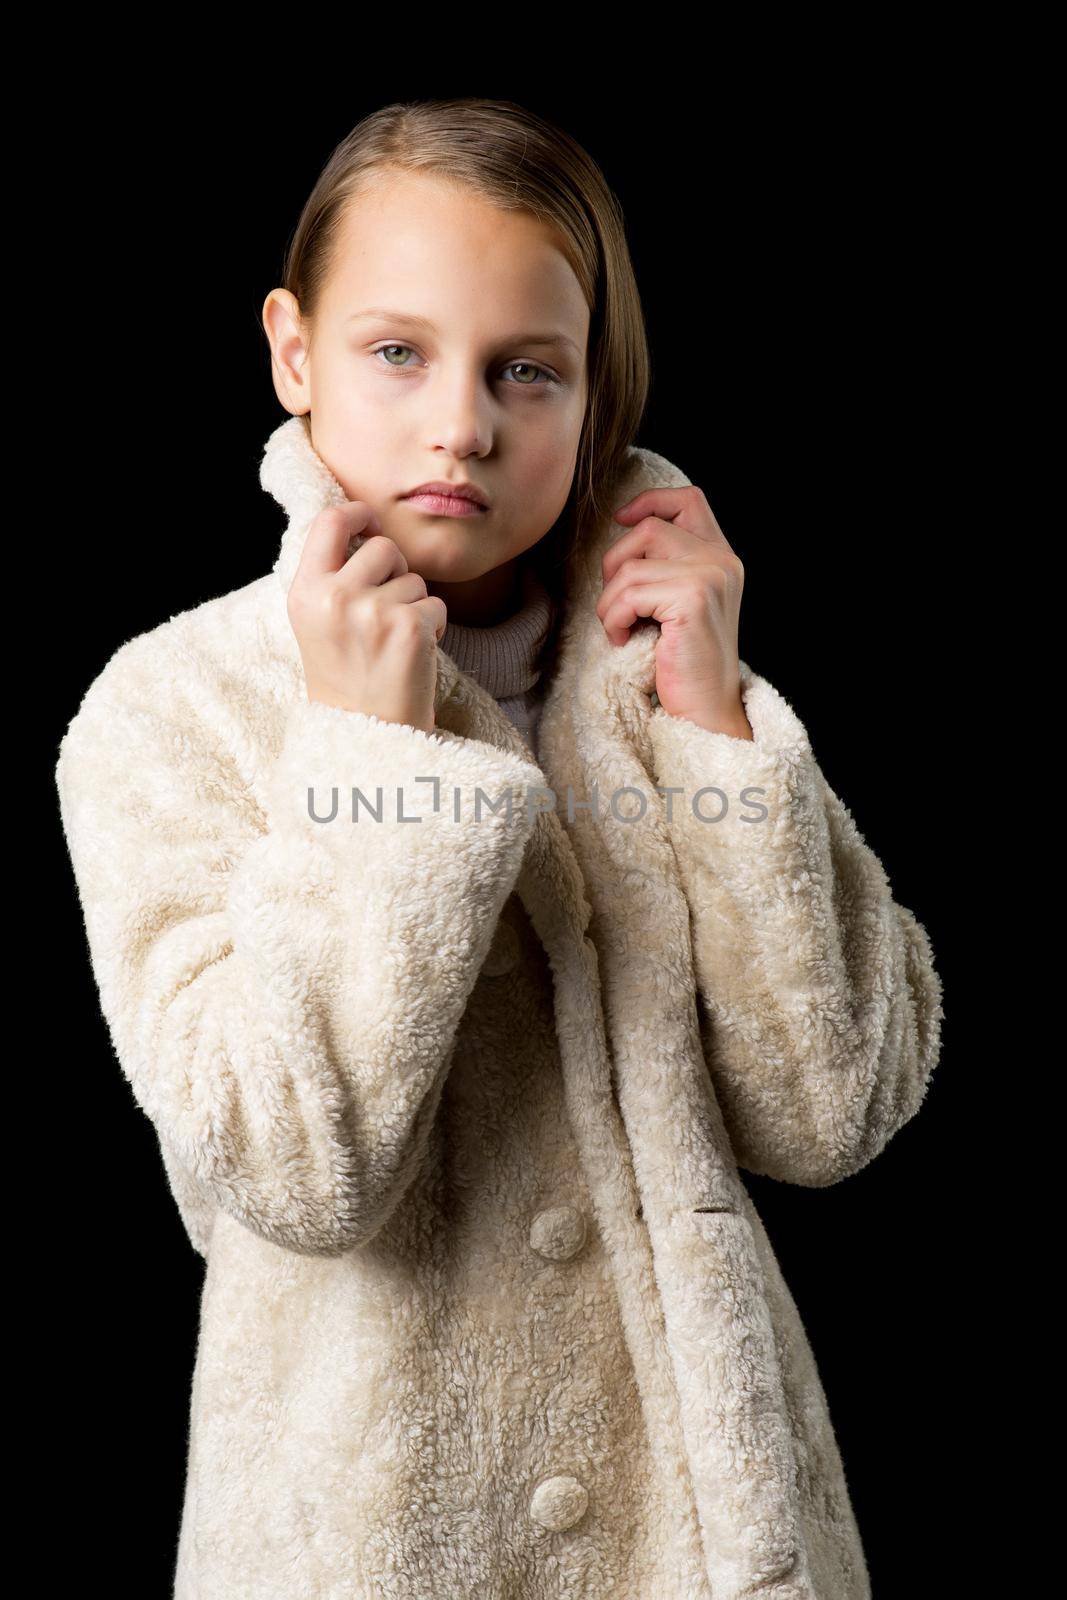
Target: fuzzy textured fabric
[(454, 1110), (505, 657)]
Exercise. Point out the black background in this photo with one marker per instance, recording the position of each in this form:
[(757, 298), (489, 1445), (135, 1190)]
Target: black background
[(796, 248)]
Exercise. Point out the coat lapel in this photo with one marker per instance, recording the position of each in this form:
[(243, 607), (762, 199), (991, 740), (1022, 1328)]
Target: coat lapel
[(604, 897), (719, 1336)]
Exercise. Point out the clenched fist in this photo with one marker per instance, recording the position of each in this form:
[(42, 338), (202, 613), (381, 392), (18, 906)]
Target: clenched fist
[(366, 627)]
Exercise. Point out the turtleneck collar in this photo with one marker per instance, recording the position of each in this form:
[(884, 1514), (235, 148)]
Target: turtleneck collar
[(504, 657)]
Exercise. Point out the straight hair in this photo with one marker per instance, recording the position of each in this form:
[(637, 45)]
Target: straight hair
[(517, 161)]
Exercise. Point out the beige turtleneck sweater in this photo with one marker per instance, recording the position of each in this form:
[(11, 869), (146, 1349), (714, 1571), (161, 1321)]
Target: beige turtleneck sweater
[(505, 657)]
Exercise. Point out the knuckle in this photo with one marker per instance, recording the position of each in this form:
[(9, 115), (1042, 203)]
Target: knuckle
[(404, 620)]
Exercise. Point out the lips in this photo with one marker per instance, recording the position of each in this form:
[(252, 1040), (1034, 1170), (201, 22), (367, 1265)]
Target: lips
[(440, 488), (440, 505)]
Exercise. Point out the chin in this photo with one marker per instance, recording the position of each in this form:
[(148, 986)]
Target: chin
[(452, 575), (439, 566)]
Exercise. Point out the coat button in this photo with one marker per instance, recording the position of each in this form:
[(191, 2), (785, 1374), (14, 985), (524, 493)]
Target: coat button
[(503, 953), (558, 1233), (558, 1503)]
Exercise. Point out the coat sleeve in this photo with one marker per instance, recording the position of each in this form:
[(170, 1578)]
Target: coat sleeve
[(821, 1007), (283, 993)]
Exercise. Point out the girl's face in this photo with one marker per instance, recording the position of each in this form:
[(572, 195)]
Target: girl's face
[(449, 343)]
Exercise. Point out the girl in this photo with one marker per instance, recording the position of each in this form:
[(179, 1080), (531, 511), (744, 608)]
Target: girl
[(465, 915)]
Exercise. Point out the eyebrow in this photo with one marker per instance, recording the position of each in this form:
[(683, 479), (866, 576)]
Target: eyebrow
[(390, 314)]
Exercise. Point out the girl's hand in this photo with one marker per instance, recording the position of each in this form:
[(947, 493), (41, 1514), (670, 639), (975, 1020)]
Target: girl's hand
[(676, 566), (366, 627)]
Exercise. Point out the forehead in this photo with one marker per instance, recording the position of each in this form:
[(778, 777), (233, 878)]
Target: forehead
[(445, 254)]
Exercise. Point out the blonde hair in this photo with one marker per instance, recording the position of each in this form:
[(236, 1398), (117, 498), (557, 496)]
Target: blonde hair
[(519, 162)]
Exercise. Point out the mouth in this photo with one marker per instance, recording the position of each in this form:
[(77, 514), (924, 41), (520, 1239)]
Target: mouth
[(442, 499), (443, 505)]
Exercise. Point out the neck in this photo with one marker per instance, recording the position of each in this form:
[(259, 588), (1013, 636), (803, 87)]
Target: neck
[(483, 601), (505, 656)]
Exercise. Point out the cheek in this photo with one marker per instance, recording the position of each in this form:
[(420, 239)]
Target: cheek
[(547, 472)]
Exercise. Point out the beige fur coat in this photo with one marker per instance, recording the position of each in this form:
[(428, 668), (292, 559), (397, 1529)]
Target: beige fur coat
[(454, 1108)]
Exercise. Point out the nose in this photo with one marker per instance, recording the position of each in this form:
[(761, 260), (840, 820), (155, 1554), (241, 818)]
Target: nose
[(460, 421)]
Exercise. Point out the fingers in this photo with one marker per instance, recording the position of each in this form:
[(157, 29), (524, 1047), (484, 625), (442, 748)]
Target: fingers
[(684, 506), (647, 571), (326, 547), (433, 608), (650, 538), (654, 600), (376, 561)]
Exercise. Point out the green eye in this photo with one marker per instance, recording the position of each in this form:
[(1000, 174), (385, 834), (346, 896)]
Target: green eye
[(524, 374)]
